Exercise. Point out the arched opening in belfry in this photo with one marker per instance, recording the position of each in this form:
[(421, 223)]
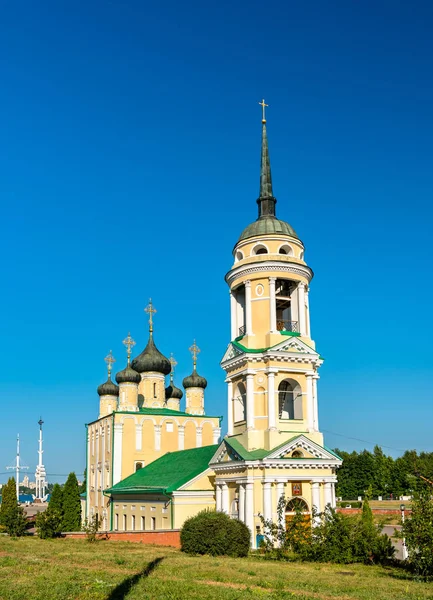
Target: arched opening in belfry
[(239, 316), (290, 400), (239, 403), (286, 309)]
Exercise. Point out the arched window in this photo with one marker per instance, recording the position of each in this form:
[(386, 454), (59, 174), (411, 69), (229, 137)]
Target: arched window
[(286, 249), (296, 504), (289, 400), (239, 401), (154, 390), (297, 454), (138, 466), (259, 249), (239, 255)]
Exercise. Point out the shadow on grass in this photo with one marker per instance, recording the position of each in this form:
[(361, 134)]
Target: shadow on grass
[(123, 588)]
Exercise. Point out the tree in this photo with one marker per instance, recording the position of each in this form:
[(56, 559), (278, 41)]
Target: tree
[(56, 500), (49, 522), (418, 533), (11, 513), (71, 519)]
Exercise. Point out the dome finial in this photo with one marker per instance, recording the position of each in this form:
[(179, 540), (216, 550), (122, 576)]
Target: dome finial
[(150, 311), (263, 105), (109, 359), (129, 343), (173, 363), (194, 349)]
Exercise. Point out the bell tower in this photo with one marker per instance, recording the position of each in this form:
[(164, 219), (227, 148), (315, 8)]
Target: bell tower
[(271, 362)]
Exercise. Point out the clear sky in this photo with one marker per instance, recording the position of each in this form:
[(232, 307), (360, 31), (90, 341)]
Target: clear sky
[(129, 165)]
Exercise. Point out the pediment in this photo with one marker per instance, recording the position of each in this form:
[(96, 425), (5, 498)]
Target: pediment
[(304, 445), (231, 352), (224, 454), (293, 345)]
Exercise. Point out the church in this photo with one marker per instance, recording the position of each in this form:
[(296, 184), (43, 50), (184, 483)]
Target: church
[(152, 463)]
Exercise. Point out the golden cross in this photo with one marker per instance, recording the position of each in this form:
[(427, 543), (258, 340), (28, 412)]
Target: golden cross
[(173, 363), (109, 359), (150, 311), (263, 105), (194, 349), (129, 343)]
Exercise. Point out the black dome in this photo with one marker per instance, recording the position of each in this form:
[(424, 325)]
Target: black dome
[(109, 388), (194, 380), (128, 375), (173, 392), (151, 359)]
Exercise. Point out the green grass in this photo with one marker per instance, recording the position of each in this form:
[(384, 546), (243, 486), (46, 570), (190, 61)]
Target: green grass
[(33, 569)]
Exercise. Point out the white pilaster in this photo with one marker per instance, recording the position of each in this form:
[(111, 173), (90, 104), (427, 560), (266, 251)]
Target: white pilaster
[(315, 404), (157, 429), (333, 502), (117, 452), (310, 402), (216, 435), (229, 407), (301, 308), (103, 468), (327, 493), (248, 316), (249, 511), (315, 498), (181, 437), (272, 305), (272, 408), (233, 318), (218, 497), (138, 436), (242, 502), (267, 500), (225, 498), (250, 401), (198, 437), (307, 307)]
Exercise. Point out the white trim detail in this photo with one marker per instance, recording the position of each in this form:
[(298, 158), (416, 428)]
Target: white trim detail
[(117, 452)]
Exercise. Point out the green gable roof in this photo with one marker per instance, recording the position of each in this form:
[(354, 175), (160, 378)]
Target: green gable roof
[(168, 473)]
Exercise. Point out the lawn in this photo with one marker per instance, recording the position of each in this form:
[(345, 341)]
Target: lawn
[(77, 570)]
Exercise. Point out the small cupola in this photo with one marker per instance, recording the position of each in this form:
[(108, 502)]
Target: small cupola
[(108, 388), (194, 380), (171, 391), (128, 375), (151, 359)]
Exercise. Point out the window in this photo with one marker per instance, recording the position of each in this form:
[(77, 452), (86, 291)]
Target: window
[(169, 427), (132, 522), (125, 523), (239, 402), (143, 523), (296, 504), (153, 508), (116, 521), (289, 400), (297, 454), (286, 249), (138, 465), (259, 249), (239, 255), (154, 390), (153, 523)]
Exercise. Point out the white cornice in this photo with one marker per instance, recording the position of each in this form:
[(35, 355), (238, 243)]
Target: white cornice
[(269, 265)]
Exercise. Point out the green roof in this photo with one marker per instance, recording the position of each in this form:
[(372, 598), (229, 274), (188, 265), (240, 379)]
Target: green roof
[(268, 225), (168, 473)]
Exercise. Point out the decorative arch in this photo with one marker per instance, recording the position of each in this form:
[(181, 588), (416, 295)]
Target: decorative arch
[(295, 504), (290, 400), (147, 419), (207, 433), (260, 404), (286, 249), (125, 418), (239, 403), (259, 249)]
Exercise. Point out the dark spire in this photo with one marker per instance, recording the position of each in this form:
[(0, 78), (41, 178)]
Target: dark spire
[(266, 201)]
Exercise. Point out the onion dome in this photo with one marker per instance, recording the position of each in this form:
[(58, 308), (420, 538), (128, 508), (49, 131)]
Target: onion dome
[(267, 223), (128, 375), (173, 392), (109, 388), (151, 359), (194, 380)]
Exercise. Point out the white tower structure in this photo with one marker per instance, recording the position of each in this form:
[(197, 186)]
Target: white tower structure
[(40, 474), (17, 468)]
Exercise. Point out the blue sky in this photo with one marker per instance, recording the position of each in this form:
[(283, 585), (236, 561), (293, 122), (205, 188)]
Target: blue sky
[(129, 165)]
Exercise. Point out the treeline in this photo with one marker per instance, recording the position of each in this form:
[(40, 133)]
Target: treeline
[(382, 475)]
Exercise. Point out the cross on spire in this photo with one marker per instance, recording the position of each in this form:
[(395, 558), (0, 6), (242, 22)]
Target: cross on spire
[(150, 311), (129, 343), (195, 350), (263, 105), (173, 363), (109, 359)]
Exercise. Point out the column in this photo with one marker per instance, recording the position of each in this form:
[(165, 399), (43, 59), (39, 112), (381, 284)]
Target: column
[(250, 401), (272, 305), (218, 497), (328, 493), (272, 409), (101, 501), (229, 407), (249, 511), (233, 317), (280, 494), (307, 305), (225, 498), (138, 436), (267, 500), (248, 320), (198, 437), (157, 429), (333, 502), (310, 403), (117, 452), (242, 502), (315, 404), (181, 437), (301, 307), (315, 499), (216, 435)]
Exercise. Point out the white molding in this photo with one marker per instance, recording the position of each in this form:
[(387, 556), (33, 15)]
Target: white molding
[(267, 266)]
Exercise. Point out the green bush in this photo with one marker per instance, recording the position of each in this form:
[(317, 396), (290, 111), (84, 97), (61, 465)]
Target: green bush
[(215, 533), (48, 523), (418, 533)]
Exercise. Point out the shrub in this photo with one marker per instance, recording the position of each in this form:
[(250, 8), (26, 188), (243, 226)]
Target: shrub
[(48, 523), (215, 533), (418, 533), (71, 505), (12, 516)]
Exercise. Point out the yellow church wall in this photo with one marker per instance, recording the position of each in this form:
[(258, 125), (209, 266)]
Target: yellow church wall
[(190, 435), (151, 390), (207, 434), (186, 506), (169, 436), (137, 506), (273, 244)]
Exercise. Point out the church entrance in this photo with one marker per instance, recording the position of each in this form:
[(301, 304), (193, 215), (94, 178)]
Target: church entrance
[(297, 506)]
